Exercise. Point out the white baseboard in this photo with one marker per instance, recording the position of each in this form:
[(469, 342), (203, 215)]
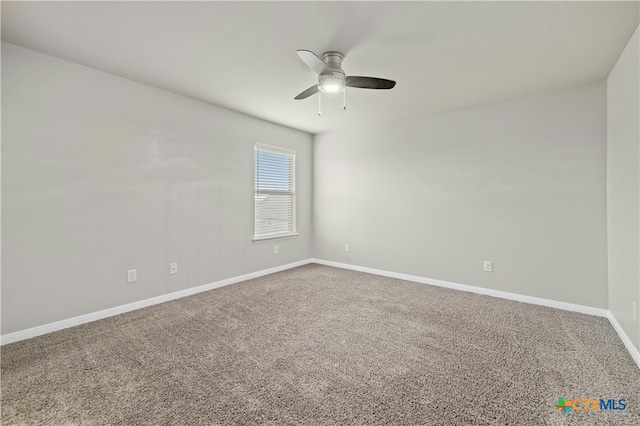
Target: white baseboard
[(473, 289), (625, 339), (82, 319), (501, 294)]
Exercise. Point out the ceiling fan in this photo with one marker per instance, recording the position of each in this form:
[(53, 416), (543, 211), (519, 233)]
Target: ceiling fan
[(332, 79)]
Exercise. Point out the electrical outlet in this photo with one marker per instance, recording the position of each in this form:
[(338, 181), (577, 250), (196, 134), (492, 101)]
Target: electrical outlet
[(634, 311), (346, 247), (276, 249), (173, 268), (132, 275), (488, 266)]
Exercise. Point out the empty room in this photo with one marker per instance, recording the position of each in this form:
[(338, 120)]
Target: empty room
[(320, 213)]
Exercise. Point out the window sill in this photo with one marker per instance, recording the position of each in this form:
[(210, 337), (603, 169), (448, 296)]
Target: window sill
[(275, 237)]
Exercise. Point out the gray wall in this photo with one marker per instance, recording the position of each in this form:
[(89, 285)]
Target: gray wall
[(623, 188), (521, 183), (101, 174)]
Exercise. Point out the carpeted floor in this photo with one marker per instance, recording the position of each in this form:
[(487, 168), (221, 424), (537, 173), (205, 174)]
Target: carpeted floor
[(323, 346)]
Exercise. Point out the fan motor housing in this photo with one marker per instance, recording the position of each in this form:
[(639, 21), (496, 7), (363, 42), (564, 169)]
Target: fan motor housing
[(334, 82), (332, 58)]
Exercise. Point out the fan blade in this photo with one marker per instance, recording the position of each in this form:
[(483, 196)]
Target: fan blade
[(314, 62), (310, 91), (369, 82)]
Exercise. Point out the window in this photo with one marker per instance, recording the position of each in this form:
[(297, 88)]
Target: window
[(274, 193)]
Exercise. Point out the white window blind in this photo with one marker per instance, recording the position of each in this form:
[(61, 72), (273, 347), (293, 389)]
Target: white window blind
[(274, 193)]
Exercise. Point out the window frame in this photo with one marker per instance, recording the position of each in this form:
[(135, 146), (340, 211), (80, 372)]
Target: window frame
[(293, 223)]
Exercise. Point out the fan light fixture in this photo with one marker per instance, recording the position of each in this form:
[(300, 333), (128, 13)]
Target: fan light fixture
[(330, 84)]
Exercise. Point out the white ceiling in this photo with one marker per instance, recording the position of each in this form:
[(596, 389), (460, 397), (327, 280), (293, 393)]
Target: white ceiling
[(242, 55)]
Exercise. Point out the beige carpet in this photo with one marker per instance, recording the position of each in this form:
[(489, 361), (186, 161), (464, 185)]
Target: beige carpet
[(322, 346)]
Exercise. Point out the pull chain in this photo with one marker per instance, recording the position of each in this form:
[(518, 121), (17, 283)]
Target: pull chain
[(344, 101)]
